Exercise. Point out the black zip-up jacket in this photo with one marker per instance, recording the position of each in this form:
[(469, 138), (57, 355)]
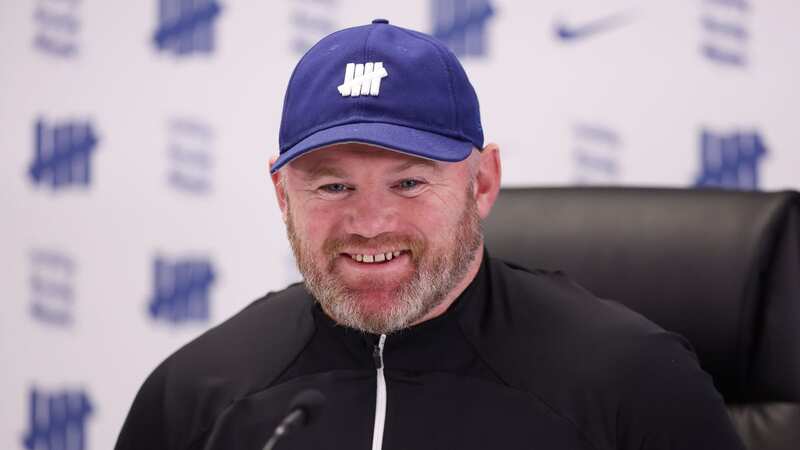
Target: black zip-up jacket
[(521, 360)]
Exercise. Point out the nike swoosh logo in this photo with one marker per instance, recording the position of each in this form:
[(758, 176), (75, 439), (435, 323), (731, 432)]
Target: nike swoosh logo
[(569, 33)]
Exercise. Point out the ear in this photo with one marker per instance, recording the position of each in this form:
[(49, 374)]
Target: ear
[(280, 185), (487, 180)]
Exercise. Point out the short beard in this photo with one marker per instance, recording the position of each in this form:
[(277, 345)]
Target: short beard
[(434, 277)]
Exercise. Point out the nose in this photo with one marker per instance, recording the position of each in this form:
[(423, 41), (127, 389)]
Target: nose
[(371, 213)]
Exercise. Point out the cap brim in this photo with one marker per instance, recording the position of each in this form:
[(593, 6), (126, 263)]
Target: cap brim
[(407, 140)]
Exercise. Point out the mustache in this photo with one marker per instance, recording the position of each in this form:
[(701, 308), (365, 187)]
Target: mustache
[(336, 246)]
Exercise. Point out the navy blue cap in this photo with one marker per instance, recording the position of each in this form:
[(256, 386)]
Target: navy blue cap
[(382, 85)]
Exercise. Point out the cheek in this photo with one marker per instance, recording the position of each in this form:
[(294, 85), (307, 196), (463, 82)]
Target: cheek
[(435, 220), (317, 223)]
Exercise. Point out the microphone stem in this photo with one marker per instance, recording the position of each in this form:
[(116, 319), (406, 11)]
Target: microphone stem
[(295, 417), (270, 445), (279, 433)]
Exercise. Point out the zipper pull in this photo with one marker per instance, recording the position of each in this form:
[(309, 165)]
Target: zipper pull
[(377, 352)]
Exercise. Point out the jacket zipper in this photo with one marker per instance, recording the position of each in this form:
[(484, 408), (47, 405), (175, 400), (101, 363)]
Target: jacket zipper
[(380, 396)]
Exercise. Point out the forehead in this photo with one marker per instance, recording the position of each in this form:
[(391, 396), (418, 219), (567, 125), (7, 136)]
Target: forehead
[(343, 157)]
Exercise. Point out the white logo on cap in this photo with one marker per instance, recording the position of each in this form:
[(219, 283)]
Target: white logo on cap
[(362, 79)]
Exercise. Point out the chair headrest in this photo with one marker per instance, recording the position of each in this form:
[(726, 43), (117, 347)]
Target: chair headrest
[(720, 267)]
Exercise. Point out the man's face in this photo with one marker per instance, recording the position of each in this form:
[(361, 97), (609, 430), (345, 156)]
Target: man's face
[(381, 237)]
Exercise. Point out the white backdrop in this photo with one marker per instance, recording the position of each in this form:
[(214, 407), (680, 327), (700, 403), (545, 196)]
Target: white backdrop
[(148, 215)]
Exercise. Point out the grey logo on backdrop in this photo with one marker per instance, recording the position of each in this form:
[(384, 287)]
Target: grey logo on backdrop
[(52, 296), (310, 21), (57, 24), (595, 154), (725, 32), (189, 156)]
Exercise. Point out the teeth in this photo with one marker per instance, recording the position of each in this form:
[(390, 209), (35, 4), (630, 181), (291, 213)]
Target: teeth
[(376, 258)]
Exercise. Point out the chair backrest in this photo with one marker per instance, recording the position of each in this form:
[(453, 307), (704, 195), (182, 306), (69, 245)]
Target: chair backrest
[(722, 268)]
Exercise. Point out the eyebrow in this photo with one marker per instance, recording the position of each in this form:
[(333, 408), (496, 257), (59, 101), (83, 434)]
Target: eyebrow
[(324, 171)]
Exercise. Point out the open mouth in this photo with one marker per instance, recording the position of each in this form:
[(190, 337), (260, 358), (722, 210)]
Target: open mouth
[(376, 258)]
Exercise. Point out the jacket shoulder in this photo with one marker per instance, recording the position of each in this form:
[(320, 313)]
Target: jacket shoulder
[(611, 372), (550, 315), (246, 347), (182, 397), (583, 338)]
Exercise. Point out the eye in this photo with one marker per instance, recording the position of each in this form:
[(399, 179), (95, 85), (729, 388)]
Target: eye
[(334, 188), (409, 184)]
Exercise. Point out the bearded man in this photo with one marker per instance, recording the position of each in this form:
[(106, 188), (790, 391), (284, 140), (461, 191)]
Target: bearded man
[(414, 334)]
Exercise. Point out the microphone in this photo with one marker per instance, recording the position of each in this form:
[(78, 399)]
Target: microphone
[(304, 408)]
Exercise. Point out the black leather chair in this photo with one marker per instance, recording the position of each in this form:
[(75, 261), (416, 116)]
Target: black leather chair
[(722, 268)]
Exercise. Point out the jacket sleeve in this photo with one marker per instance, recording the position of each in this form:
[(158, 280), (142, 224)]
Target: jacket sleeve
[(669, 402)]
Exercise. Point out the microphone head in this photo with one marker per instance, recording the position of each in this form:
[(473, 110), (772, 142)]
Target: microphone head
[(311, 401)]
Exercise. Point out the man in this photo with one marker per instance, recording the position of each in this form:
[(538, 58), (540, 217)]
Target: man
[(414, 334)]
